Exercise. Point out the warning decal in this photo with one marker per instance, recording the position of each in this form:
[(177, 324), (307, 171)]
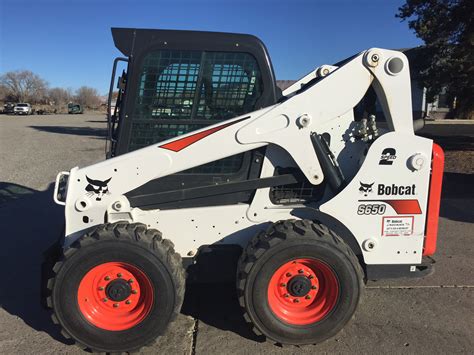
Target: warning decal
[(397, 226)]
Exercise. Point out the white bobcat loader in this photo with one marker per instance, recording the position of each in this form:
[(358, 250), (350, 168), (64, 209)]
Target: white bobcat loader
[(205, 152)]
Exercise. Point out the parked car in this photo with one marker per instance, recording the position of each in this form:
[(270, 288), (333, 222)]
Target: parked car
[(8, 108), (45, 111), (23, 109), (74, 108)]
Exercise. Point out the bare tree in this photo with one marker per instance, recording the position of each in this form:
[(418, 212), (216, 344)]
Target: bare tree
[(4, 93), (24, 86), (88, 97), (59, 96)]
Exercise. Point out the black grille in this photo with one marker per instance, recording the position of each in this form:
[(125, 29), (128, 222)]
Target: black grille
[(301, 192), (292, 194)]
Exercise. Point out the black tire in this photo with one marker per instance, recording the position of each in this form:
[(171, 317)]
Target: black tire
[(282, 243), (126, 243)]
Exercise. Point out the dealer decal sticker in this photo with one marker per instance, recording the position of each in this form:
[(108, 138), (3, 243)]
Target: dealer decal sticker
[(397, 226)]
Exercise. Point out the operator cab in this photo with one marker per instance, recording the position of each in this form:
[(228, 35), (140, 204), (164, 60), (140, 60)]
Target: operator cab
[(181, 81)]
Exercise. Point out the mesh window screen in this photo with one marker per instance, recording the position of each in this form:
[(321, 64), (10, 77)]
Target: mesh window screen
[(178, 90)]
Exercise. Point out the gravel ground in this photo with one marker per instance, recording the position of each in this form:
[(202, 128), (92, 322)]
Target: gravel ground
[(35, 148), (433, 315)]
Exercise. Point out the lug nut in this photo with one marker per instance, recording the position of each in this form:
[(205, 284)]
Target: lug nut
[(313, 287), (287, 295), (101, 288), (310, 277), (116, 305), (283, 285), (134, 292), (128, 302), (119, 275), (130, 281), (308, 297), (296, 300), (301, 271), (105, 299), (107, 278), (288, 274)]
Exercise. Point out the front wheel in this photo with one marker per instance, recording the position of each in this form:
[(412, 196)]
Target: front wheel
[(298, 283), (117, 288)]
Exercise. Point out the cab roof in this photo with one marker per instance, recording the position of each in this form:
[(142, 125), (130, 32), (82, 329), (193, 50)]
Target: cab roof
[(132, 40)]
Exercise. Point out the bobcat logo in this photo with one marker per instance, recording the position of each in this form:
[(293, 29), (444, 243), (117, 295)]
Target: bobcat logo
[(365, 188), (97, 188)]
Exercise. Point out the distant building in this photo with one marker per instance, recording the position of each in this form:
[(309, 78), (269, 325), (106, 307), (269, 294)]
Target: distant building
[(441, 107)]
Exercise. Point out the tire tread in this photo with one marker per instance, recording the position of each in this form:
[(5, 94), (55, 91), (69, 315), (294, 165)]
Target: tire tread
[(277, 233), (136, 233)]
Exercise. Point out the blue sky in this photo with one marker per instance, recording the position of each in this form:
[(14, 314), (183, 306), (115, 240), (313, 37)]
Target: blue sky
[(68, 42)]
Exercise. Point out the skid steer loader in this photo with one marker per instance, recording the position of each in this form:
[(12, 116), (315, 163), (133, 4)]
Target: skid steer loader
[(205, 150)]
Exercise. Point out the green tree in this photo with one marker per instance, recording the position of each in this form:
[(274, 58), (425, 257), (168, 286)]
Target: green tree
[(447, 28)]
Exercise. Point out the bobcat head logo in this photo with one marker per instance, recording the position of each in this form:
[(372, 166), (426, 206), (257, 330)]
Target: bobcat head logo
[(97, 188), (365, 188)]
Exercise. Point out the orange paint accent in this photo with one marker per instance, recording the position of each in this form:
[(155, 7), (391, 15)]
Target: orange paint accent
[(434, 200), (185, 142), (411, 206), (405, 206)]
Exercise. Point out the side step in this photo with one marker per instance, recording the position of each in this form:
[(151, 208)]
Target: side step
[(380, 272)]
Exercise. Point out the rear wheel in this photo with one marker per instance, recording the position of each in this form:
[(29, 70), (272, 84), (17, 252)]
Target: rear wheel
[(117, 288), (298, 283)]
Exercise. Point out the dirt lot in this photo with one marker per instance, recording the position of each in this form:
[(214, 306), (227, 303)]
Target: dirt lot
[(432, 315)]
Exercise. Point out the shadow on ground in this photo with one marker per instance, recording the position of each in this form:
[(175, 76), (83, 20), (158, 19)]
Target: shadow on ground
[(457, 197), (216, 304), (11, 192), (31, 222), (211, 296), (77, 131)]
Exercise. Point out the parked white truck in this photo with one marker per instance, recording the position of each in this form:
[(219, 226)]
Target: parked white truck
[(23, 109)]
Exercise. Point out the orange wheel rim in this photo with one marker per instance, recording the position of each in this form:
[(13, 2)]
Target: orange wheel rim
[(115, 296), (303, 291)]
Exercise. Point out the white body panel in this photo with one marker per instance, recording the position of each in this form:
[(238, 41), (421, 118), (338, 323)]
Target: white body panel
[(388, 249), (285, 128)]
